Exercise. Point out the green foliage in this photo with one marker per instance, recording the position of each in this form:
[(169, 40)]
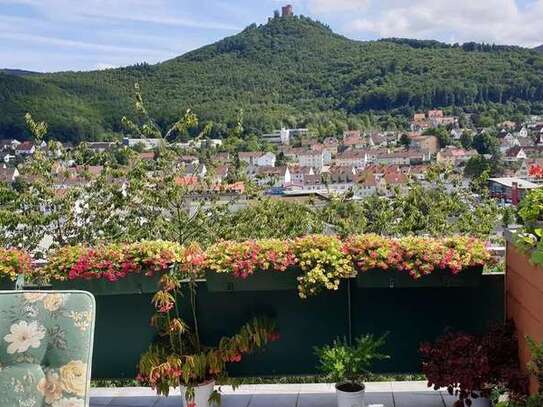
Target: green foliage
[(485, 143), (478, 165), (269, 218), (343, 362), (531, 209), (420, 210), (274, 73), (536, 362)]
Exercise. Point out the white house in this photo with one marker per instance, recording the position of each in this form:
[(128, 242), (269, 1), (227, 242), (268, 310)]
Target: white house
[(258, 158), (25, 148), (352, 158), (147, 143), (312, 159)]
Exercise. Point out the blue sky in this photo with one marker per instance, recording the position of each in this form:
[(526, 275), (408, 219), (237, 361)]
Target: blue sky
[(53, 35)]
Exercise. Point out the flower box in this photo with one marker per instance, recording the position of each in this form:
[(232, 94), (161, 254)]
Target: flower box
[(469, 277), (258, 281), (137, 283), (7, 284)]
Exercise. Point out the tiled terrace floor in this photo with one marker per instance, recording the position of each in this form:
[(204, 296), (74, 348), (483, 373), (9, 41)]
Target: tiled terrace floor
[(387, 394)]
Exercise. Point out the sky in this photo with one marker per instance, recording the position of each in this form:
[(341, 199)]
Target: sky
[(57, 35)]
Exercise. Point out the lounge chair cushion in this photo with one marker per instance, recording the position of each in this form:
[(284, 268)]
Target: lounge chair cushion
[(46, 342)]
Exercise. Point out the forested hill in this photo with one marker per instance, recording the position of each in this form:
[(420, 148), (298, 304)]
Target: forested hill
[(283, 70)]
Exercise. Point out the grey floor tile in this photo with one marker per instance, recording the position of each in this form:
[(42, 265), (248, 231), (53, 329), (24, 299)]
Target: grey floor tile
[(171, 401), (236, 400), (418, 399), (100, 401), (384, 398), (141, 401), (317, 400), (448, 400), (274, 400)]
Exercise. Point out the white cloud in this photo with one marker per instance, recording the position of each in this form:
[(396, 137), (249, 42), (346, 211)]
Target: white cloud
[(166, 20), (90, 46), (496, 21), (336, 6)]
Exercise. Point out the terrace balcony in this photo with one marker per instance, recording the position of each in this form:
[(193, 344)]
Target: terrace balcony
[(411, 308), (385, 394)]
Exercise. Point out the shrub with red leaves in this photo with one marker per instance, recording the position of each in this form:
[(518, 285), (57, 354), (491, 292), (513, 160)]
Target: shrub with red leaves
[(470, 366)]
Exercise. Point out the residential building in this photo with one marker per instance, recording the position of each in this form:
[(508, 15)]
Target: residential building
[(326, 153), (454, 156), (312, 159), (516, 153), (429, 144), (510, 189), (101, 146), (8, 174), (25, 148), (278, 137), (352, 158), (365, 185), (258, 158), (353, 139), (147, 143)]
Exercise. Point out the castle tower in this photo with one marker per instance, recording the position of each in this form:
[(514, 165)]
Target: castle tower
[(287, 11)]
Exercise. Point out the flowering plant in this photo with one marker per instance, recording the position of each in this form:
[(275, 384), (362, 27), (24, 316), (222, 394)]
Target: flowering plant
[(470, 366), (418, 256), (179, 357), (535, 171), (322, 262), (243, 259), (14, 262), (114, 262)]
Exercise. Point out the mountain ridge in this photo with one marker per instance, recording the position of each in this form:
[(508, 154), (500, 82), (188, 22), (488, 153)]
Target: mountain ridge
[(287, 71)]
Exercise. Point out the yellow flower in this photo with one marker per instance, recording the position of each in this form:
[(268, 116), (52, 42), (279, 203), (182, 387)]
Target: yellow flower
[(53, 302), (34, 297), (73, 377)]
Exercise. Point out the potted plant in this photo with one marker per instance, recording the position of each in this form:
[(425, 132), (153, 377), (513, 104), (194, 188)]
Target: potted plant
[(471, 366), (348, 366), (178, 358), (535, 368)]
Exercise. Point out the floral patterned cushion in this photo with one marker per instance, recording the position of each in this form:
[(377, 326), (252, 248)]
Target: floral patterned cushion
[(45, 348)]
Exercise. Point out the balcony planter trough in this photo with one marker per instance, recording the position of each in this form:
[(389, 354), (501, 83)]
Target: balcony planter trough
[(133, 284), (469, 277), (259, 281), (7, 284)]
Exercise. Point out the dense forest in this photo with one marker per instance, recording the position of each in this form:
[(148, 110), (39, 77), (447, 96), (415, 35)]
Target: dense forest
[(290, 71)]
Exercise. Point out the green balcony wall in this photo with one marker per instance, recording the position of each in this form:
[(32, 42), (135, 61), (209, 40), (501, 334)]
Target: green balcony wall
[(410, 315)]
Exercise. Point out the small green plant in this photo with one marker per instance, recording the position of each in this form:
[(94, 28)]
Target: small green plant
[(344, 363), (535, 366), (531, 209)]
